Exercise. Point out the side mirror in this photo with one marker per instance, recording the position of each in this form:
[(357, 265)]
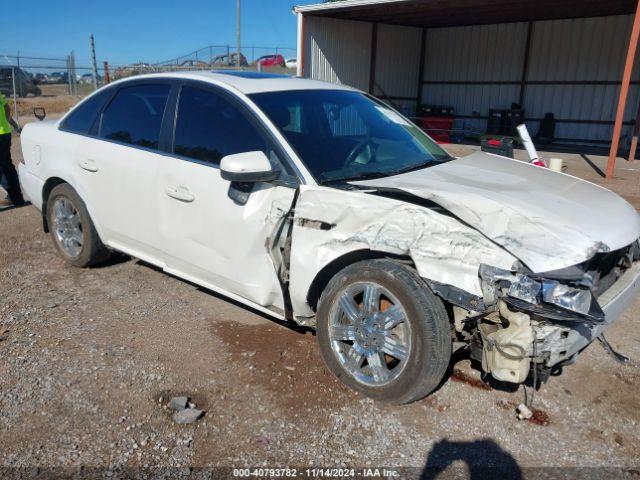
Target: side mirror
[(247, 167), (40, 113)]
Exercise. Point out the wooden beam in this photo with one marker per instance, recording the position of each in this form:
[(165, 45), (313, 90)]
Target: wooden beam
[(624, 92), (372, 60), (423, 47)]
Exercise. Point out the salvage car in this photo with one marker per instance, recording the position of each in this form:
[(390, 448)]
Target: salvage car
[(320, 205)]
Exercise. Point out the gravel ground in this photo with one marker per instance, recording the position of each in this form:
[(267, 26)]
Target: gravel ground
[(89, 358)]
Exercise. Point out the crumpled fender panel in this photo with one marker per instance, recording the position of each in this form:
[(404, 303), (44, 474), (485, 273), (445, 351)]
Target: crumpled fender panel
[(329, 223)]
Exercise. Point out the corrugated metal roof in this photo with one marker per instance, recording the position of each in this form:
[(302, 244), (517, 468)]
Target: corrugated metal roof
[(438, 13)]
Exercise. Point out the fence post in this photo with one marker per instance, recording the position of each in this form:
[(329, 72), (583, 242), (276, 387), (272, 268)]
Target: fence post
[(107, 80), (15, 94), (74, 75), (69, 74), (95, 64), (239, 65)]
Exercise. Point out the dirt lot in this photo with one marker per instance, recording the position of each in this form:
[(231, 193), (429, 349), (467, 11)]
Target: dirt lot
[(89, 359)]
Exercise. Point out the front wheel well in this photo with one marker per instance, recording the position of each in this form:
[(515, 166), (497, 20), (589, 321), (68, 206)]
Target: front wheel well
[(49, 185), (325, 275)]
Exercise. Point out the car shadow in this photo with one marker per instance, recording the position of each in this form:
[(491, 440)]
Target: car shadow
[(291, 325), (116, 258), (483, 459), (485, 382), (14, 207), (593, 165)]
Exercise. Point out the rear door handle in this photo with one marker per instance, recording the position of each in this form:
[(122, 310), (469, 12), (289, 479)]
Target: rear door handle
[(180, 193), (88, 165)]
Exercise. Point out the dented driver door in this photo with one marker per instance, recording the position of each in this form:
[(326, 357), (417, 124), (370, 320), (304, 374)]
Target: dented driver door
[(216, 233)]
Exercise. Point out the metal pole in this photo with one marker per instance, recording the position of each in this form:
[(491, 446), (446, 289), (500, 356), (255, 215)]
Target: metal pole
[(238, 66), (624, 91), (301, 39), (95, 64), (15, 94), (72, 73), (75, 73), (69, 73)]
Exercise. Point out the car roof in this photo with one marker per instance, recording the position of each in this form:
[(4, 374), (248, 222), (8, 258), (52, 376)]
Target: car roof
[(249, 82)]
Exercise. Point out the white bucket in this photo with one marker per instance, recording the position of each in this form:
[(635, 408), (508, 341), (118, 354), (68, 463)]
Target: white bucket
[(555, 164)]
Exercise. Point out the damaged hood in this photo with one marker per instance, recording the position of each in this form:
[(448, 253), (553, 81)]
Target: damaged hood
[(548, 220)]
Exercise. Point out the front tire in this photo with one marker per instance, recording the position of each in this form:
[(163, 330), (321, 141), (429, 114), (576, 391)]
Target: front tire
[(72, 230), (383, 333)]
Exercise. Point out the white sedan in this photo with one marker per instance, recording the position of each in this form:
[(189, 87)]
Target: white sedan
[(320, 205)]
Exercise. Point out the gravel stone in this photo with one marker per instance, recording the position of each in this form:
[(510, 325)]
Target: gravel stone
[(188, 415), (178, 403)]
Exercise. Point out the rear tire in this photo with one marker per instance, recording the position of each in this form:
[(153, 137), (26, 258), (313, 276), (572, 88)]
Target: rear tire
[(397, 357), (72, 230)]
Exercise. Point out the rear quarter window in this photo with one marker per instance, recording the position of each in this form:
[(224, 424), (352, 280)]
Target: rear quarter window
[(81, 119)]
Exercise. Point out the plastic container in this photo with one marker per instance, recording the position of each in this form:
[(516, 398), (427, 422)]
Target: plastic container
[(503, 147)]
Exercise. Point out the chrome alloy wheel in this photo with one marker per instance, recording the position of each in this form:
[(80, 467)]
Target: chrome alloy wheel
[(370, 333), (67, 227)]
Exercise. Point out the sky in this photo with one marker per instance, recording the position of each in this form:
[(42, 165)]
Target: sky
[(128, 31)]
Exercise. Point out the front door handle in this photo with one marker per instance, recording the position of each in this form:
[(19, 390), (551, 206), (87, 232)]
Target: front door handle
[(88, 165), (180, 193)]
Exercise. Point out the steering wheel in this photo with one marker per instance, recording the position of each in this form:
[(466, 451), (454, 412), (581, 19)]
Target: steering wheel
[(358, 149)]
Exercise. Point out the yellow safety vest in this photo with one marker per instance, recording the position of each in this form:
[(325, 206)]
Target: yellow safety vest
[(5, 128)]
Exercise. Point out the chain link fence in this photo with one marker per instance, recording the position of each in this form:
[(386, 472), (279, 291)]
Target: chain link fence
[(57, 83)]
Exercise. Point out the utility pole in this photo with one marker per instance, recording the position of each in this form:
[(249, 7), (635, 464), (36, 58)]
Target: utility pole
[(95, 64), (72, 76), (238, 33)]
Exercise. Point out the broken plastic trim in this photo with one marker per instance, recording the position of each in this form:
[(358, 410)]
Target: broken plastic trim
[(546, 298), (457, 296)]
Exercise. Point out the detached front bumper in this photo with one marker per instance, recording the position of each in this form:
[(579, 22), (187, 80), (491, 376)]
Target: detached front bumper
[(563, 341)]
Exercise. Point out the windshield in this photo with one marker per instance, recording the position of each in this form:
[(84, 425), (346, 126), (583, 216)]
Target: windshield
[(343, 135)]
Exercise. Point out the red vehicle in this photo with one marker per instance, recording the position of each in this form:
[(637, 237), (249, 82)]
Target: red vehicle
[(271, 61)]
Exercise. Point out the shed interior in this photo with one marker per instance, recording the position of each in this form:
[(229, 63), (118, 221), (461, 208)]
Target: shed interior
[(564, 57)]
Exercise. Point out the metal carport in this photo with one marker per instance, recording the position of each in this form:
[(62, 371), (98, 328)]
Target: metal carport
[(573, 58)]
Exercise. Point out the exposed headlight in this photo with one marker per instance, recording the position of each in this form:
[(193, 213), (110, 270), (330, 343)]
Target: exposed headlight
[(525, 289), (497, 282), (573, 299)]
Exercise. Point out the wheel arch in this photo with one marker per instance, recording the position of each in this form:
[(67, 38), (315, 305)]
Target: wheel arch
[(324, 276), (48, 187)]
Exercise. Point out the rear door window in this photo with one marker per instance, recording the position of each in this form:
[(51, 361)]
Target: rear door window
[(134, 116)]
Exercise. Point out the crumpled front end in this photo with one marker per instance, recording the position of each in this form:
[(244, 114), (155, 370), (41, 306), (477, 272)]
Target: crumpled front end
[(565, 311), (508, 315)]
